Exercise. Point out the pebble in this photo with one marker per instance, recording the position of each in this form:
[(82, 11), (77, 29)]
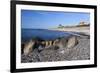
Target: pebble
[(80, 52)]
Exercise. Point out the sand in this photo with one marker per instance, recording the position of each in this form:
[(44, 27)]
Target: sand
[(84, 29)]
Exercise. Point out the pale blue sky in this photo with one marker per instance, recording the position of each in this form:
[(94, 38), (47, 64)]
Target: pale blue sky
[(50, 19)]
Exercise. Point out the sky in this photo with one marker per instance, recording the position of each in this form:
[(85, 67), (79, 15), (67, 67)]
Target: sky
[(35, 19)]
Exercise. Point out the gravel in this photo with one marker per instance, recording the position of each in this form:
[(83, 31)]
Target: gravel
[(80, 52)]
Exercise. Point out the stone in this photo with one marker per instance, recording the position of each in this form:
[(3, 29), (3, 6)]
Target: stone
[(72, 41), (55, 42), (28, 47), (40, 48)]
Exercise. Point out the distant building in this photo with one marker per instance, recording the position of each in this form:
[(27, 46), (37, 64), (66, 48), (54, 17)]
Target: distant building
[(83, 24)]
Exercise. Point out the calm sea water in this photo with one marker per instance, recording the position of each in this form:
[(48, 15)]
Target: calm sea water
[(44, 34)]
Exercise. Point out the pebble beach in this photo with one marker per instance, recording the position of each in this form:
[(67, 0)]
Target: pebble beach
[(80, 51)]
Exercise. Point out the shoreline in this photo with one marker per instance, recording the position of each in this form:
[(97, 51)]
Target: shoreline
[(80, 51), (82, 29)]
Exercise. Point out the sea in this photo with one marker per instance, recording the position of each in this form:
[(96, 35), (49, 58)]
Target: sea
[(43, 34)]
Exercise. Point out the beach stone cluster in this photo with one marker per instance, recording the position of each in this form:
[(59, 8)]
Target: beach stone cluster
[(72, 48)]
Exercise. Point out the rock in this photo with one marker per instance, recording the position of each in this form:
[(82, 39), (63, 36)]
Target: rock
[(62, 42), (55, 42), (40, 48), (79, 49), (28, 47), (72, 41), (62, 51)]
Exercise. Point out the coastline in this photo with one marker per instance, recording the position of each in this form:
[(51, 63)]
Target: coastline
[(81, 29), (80, 51)]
